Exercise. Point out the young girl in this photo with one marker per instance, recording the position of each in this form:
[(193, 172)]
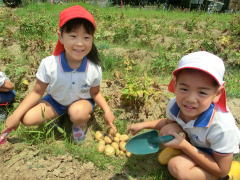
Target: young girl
[(71, 77)]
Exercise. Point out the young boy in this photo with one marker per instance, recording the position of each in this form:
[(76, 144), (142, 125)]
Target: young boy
[(7, 94), (198, 109)]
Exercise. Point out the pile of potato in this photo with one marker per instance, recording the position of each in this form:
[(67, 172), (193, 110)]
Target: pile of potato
[(112, 144)]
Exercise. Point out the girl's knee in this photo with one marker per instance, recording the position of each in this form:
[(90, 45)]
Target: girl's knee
[(79, 113), (30, 120), (35, 117), (79, 116)]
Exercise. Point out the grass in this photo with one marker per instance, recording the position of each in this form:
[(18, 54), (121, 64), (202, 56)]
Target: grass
[(132, 42)]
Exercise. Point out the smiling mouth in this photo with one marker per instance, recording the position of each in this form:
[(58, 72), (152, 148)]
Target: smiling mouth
[(78, 51), (189, 107)]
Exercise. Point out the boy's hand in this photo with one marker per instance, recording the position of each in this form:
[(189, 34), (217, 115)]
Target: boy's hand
[(109, 118), (135, 128), (11, 123), (177, 142)]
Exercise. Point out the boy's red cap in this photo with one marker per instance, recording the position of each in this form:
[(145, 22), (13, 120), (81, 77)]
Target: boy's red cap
[(208, 63), (69, 14)]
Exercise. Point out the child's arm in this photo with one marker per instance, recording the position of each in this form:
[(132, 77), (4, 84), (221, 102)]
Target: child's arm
[(218, 164), (156, 124), (5, 83), (100, 100), (29, 101), (7, 86)]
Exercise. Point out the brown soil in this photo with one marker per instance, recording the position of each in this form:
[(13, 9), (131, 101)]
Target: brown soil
[(22, 161), (19, 161)]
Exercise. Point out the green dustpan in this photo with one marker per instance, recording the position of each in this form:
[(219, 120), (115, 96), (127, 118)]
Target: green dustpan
[(147, 143)]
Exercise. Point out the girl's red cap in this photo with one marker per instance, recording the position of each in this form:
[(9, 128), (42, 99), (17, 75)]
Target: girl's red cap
[(69, 14)]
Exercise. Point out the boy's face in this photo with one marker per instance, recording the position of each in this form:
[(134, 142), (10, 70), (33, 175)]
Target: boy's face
[(195, 91), (77, 44)]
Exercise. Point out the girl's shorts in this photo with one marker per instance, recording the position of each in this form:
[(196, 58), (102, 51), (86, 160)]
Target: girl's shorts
[(7, 97), (59, 108)]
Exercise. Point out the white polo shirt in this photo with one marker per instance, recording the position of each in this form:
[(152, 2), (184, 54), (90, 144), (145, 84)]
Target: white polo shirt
[(213, 129), (3, 78), (67, 85)]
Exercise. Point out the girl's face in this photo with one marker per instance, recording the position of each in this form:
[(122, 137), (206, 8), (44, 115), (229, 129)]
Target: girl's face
[(77, 44), (195, 91)]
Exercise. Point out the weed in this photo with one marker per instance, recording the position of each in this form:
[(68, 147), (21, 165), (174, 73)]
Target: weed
[(37, 30), (121, 34), (190, 25), (164, 64), (234, 27), (138, 28), (44, 131), (137, 91), (209, 45), (109, 63)]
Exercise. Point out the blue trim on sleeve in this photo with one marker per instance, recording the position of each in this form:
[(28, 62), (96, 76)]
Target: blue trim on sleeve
[(67, 68), (206, 150)]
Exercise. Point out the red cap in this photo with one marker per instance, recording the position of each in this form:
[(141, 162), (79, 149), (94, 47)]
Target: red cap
[(69, 14)]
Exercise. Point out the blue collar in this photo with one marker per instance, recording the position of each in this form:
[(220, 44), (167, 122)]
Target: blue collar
[(203, 120), (67, 68)]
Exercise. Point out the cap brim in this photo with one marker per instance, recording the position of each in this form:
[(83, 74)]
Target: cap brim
[(200, 69)]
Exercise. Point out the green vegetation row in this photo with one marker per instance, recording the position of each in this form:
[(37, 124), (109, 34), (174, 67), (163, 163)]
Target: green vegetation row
[(162, 36)]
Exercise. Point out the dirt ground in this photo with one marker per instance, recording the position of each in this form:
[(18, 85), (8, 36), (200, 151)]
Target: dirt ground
[(20, 161)]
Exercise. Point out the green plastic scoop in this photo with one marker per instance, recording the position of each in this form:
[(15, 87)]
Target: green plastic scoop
[(147, 143)]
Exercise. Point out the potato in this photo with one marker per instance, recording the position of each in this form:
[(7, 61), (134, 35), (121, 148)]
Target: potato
[(122, 153), (101, 141), (107, 140), (101, 147), (128, 154), (117, 152), (98, 135), (182, 134), (111, 132), (115, 145), (109, 150), (124, 137), (117, 135), (116, 139), (122, 146)]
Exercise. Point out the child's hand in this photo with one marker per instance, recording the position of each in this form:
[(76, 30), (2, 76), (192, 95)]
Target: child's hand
[(11, 123), (177, 142), (135, 128), (109, 118)]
